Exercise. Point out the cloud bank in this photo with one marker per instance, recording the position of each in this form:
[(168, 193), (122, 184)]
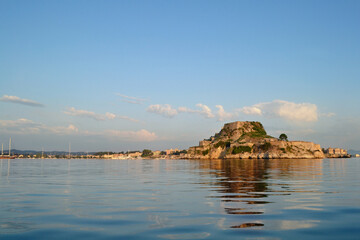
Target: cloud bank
[(137, 136), (297, 112), (84, 113), (222, 115), (15, 99), (204, 110), (96, 116), (26, 126), (300, 112), (165, 110)]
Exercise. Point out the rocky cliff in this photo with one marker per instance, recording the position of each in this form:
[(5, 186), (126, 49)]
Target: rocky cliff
[(250, 140)]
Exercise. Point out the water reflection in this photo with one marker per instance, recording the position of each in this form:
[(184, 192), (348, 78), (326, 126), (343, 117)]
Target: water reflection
[(202, 235), (248, 225), (178, 199), (8, 170), (245, 187)]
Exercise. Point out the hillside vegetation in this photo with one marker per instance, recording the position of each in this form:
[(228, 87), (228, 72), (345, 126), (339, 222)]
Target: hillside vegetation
[(250, 140)]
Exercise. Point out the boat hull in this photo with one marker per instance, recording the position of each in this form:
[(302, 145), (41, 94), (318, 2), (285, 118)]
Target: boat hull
[(7, 157)]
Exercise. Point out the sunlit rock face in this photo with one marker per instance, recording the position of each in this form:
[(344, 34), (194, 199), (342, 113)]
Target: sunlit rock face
[(250, 140)]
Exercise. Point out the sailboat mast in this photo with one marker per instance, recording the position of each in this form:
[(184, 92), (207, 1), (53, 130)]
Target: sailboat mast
[(69, 149), (9, 146), (2, 149)]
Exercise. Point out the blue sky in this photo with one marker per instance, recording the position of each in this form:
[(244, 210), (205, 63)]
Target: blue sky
[(127, 75)]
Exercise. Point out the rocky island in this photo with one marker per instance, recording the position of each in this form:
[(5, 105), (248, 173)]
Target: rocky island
[(238, 140)]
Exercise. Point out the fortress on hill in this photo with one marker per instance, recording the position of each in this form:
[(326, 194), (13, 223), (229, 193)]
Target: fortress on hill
[(238, 140)]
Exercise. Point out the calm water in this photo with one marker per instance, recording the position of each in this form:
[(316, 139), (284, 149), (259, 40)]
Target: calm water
[(180, 199)]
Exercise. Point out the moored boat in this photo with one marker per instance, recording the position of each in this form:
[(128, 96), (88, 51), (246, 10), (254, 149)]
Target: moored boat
[(6, 156)]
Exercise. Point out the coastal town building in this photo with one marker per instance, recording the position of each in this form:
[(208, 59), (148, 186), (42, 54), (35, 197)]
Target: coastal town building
[(114, 156), (156, 153), (170, 151), (134, 155), (336, 153), (107, 156)]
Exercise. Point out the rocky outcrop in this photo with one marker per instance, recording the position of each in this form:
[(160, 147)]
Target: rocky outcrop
[(250, 140)]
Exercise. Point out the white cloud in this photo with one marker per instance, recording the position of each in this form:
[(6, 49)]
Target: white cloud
[(297, 112), (165, 110), (222, 115), (251, 110), (84, 113), (72, 128), (300, 112), (138, 136), (132, 100), (15, 99), (26, 126), (187, 110), (20, 125), (110, 115), (127, 118), (204, 110), (96, 116), (63, 130)]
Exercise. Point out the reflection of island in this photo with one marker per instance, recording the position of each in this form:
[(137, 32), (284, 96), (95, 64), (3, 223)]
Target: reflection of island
[(245, 188), (243, 176)]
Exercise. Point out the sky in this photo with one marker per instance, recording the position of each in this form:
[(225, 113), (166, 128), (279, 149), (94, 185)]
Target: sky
[(129, 75)]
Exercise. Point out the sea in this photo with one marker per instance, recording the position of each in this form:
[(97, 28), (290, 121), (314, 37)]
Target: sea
[(179, 199)]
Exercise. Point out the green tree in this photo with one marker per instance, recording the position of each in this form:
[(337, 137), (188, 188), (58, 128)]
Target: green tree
[(283, 137), (147, 153)]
